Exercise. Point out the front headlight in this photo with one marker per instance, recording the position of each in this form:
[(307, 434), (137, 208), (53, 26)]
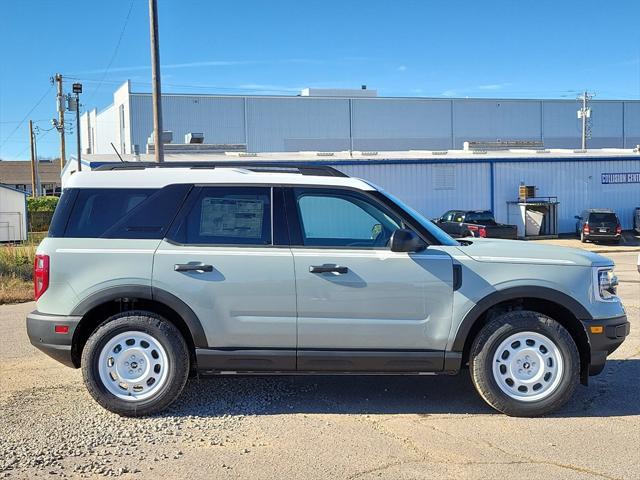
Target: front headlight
[(605, 284)]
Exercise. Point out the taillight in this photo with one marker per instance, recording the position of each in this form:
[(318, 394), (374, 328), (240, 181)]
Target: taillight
[(478, 231), (40, 275), (618, 230), (585, 229)]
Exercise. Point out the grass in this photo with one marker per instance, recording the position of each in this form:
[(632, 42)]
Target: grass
[(16, 272)]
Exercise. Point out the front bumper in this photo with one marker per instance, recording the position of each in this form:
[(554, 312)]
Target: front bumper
[(614, 331), (42, 334)]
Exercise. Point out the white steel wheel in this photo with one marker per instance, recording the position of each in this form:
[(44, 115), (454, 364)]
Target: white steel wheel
[(528, 366), (133, 366)]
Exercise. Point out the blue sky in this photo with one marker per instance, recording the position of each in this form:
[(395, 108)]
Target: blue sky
[(513, 49)]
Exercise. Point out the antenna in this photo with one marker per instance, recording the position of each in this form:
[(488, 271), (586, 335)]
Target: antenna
[(114, 149)]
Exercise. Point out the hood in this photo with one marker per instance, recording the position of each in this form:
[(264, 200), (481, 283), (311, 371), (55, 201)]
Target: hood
[(518, 251)]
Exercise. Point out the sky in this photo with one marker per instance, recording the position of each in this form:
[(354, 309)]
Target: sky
[(490, 48)]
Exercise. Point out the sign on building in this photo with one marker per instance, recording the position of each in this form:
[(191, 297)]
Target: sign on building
[(610, 178)]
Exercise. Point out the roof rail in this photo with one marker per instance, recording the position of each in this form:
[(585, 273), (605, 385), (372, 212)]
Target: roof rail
[(261, 166)]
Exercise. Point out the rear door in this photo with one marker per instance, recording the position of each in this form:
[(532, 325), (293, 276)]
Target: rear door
[(226, 258), (603, 223), (361, 306)]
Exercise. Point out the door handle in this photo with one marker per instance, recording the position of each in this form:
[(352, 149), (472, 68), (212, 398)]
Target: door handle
[(193, 267), (327, 269)]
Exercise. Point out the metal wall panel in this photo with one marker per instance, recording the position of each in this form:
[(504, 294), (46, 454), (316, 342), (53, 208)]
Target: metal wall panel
[(631, 124), (401, 124), (293, 124), (492, 120), (417, 185), (221, 119), (606, 125), (105, 130), (576, 184), (560, 125)]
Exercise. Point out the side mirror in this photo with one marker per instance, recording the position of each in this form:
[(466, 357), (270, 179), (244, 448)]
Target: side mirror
[(577, 217), (403, 240)]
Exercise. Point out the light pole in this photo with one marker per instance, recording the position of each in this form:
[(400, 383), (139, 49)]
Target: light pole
[(77, 89)]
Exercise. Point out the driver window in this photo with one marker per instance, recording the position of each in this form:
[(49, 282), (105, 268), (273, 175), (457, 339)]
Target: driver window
[(343, 219)]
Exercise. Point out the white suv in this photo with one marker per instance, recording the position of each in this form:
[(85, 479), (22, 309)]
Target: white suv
[(151, 272)]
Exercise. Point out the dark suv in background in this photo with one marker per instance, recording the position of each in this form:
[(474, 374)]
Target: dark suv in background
[(598, 225)]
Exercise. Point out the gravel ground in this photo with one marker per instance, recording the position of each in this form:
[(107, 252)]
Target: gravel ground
[(316, 427)]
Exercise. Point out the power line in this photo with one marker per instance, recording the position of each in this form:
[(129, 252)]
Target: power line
[(26, 116), (115, 51)]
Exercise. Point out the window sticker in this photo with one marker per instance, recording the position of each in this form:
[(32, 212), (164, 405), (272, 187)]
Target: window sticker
[(231, 217)]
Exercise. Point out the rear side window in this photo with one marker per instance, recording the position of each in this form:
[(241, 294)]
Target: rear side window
[(228, 216), (131, 213), (97, 209)]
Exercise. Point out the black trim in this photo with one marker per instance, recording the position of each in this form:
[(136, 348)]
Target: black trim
[(307, 168), (370, 360), (604, 344), (243, 359), (188, 316), (529, 292), (319, 360), (280, 231), (457, 276), (40, 329), (146, 292), (110, 294)]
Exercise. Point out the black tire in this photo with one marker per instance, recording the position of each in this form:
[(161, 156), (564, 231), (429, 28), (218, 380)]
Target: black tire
[(488, 341), (162, 331), (582, 237)]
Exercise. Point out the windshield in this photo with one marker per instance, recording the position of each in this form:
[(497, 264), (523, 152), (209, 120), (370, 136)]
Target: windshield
[(442, 237)]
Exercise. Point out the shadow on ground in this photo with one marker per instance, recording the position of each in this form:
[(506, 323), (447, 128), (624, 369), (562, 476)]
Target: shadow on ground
[(615, 392)]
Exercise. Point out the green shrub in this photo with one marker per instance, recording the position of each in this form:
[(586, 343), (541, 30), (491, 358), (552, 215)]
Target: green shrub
[(41, 204)]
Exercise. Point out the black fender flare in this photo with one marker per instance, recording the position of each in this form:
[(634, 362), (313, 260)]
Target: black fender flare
[(513, 293), (146, 292)]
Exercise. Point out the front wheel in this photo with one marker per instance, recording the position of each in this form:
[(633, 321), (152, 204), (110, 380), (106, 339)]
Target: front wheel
[(524, 363), (135, 364)]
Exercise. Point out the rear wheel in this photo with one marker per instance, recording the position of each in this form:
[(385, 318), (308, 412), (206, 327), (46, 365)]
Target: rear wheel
[(135, 364), (524, 363), (582, 237)]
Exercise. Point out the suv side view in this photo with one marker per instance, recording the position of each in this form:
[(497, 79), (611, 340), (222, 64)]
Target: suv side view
[(598, 225), (151, 273)]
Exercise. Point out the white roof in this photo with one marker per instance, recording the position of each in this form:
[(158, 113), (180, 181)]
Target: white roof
[(160, 177)]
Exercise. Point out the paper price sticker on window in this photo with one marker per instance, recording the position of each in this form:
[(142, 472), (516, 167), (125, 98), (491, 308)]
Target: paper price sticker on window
[(229, 217)]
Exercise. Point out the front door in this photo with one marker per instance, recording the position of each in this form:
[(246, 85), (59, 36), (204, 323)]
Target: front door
[(224, 259), (360, 306)]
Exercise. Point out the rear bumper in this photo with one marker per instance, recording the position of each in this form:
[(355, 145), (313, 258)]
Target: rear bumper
[(615, 330), (42, 335), (603, 236)]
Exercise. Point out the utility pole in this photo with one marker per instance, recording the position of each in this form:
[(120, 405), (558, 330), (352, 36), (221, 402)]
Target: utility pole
[(77, 89), (155, 80), (34, 192), (584, 114), (60, 125)]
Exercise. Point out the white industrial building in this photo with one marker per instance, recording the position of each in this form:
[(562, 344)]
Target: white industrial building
[(13, 214), (357, 120), (436, 154), (436, 181)]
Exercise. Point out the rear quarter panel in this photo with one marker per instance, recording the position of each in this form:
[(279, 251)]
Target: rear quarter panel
[(81, 267)]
